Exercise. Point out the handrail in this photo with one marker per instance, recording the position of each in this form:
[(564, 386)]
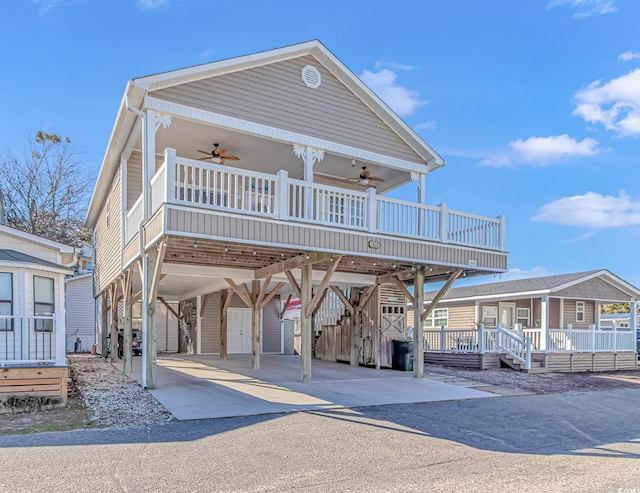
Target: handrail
[(512, 343)]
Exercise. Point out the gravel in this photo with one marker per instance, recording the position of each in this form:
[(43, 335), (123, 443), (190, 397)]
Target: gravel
[(115, 399)]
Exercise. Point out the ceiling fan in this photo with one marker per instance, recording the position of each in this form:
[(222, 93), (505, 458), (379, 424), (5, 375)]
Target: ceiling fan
[(365, 178), (216, 153)]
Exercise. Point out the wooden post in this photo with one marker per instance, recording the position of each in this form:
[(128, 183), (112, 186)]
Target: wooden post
[(256, 323), (154, 258), (418, 334), (355, 328), (127, 299), (305, 322), (113, 357), (225, 300), (105, 324)]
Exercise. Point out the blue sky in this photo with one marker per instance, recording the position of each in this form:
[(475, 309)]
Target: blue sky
[(534, 104)]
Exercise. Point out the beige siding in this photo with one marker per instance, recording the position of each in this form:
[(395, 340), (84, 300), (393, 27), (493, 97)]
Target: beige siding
[(554, 314), (578, 362), (594, 289), (153, 229), (569, 314), (461, 315), (108, 240), (210, 337), (275, 95), (80, 313), (185, 223), (134, 176), (30, 248)]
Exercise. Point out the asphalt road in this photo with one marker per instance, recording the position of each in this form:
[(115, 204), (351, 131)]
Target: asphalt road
[(584, 442)]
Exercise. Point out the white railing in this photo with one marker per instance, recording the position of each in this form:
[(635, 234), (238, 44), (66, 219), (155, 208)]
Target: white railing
[(330, 311), (207, 185), (451, 341), (134, 216), (535, 335), (408, 218), (591, 340), (223, 187), (27, 340), (310, 202), (514, 344)]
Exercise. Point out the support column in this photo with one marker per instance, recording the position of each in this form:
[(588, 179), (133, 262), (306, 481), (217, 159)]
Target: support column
[(105, 325), (355, 328), (305, 322), (544, 323), (633, 315), (256, 324), (114, 323), (127, 299), (418, 334), (225, 300), (198, 324)]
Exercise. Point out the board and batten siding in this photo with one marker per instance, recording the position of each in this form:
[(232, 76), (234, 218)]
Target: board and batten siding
[(217, 225), (210, 326), (275, 95), (108, 239), (80, 313), (594, 289)]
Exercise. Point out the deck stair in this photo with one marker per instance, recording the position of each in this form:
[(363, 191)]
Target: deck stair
[(537, 363)]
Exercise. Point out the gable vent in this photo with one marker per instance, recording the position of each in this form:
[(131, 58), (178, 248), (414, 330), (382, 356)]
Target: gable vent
[(310, 76)]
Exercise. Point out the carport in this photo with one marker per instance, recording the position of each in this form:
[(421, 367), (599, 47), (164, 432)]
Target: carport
[(203, 386)]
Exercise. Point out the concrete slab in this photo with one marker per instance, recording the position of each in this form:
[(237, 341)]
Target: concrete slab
[(203, 386)]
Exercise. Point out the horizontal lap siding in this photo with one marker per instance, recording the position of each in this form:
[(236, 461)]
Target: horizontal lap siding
[(275, 95), (271, 333), (80, 313), (298, 235), (461, 315), (570, 314), (108, 241), (579, 362)]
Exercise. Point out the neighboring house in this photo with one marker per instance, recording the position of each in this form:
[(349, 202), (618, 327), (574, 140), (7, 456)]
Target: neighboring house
[(230, 185), (617, 320), (559, 314), (32, 313), (81, 313)]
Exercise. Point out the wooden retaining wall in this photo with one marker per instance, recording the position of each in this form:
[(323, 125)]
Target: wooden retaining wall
[(576, 362), (48, 381)]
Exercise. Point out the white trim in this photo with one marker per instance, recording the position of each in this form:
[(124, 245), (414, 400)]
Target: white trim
[(16, 233), (605, 276), (35, 266), (286, 136)]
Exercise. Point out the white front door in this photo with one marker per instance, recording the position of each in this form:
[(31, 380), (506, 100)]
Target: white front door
[(238, 330), (507, 314)]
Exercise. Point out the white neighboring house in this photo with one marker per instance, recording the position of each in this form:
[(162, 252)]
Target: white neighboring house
[(81, 313), (32, 303)]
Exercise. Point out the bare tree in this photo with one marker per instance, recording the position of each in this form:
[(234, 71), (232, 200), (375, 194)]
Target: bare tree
[(47, 190)]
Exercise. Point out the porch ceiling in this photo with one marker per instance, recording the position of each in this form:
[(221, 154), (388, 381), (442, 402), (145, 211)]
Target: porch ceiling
[(268, 155)]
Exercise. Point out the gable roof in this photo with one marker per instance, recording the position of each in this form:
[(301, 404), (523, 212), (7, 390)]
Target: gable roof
[(540, 285), (13, 257), (138, 89), (54, 245)]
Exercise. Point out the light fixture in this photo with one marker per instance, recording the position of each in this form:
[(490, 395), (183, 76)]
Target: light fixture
[(430, 269), (254, 251), (331, 258), (307, 256), (413, 268), (225, 249), (195, 244), (374, 263), (352, 261), (282, 254)]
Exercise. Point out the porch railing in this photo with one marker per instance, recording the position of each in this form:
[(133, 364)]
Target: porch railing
[(213, 186), (482, 340), (27, 340), (515, 345)]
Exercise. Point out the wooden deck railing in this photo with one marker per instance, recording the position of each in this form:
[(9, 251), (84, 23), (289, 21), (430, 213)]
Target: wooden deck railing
[(213, 186)]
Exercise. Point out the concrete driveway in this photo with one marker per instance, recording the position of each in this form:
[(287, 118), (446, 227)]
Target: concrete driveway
[(203, 386)]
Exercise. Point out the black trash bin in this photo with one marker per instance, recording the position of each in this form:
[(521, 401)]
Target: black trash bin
[(402, 358)]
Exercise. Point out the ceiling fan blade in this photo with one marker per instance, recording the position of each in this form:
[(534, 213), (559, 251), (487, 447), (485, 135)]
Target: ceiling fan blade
[(231, 157), (375, 178), (208, 153)]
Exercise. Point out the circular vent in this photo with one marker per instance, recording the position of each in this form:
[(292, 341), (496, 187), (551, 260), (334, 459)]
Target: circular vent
[(310, 76)]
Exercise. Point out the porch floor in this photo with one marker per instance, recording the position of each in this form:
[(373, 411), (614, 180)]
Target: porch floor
[(203, 386)]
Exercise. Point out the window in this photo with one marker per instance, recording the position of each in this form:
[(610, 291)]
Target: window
[(43, 302), (579, 311), (489, 316), (437, 318), (522, 317), (6, 300)]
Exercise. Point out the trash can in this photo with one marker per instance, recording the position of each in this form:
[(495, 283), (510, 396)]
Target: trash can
[(402, 358)]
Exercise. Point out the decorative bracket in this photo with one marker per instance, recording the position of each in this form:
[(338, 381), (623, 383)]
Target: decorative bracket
[(316, 155), (163, 121)]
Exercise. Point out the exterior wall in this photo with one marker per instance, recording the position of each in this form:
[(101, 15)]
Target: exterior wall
[(271, 333), (23, 288), (594, 289), (461, 315), (569, 314), (108, 246), (554, 314), (81, 321), (215, 225), (30, 248), (275, 95), (134, 176)]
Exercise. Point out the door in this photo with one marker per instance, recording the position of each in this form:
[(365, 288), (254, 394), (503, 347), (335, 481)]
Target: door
[(239, 330), (507, 314)]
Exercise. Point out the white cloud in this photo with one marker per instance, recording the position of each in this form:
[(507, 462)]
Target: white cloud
[(206, 54), (583, 236), (615, 104), (403, 101), (542, 151), (380, 64), (152, 4), (629, 55), (591, 210), (46, 6), (516, 273), (428, 125), (585, 8)]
